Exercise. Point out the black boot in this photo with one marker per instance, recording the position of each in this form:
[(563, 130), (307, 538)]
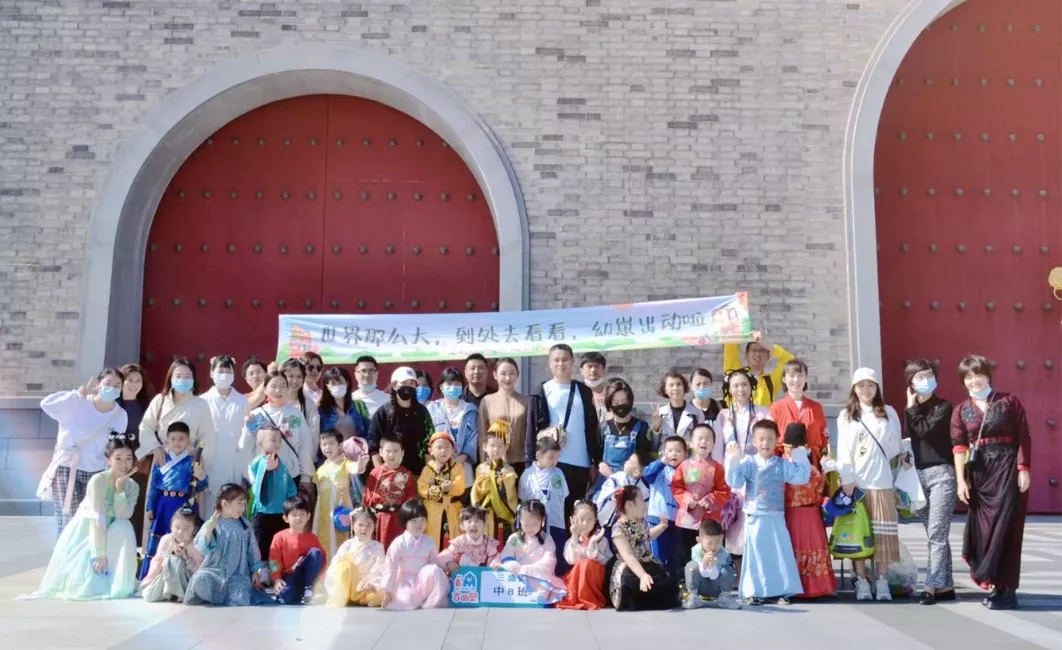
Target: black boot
[(992, 596), (1007, 599), (927, 598)]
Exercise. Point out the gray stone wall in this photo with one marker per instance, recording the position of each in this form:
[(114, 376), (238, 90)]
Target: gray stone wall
[(664, 149)]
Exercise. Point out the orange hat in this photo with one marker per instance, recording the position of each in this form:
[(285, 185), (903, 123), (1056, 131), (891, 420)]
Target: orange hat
[(442, 434)]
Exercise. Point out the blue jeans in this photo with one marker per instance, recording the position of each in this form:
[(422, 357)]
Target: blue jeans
[(302, 578)]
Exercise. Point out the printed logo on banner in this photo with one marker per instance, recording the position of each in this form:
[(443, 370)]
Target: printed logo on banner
[(465, 589)]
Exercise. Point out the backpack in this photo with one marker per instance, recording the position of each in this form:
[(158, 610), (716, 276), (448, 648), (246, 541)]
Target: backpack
[(851, 537)]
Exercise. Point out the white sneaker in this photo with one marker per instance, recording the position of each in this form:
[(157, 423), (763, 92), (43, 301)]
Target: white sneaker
[(726, 601), (862, 589), (884, 592), (693, 601)]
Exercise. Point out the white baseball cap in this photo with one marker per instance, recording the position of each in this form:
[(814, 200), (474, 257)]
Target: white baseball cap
[(403, 373), (865, 374)]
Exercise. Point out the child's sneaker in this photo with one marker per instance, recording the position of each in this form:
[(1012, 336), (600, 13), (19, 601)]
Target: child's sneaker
[(884, 592), (862, 589), (692, 602), (307, 597)]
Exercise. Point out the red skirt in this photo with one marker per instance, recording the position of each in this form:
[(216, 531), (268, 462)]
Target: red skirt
[(585, 583), (388, 528), (811, 550)]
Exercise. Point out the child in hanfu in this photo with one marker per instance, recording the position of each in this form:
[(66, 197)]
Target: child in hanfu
[(171, 488), (587, 552), (441, 485), (531, 555), (357, 564), (495, 487), (333, 489), (411, 577), (803, 518), (769, 569), (176, 560), (389, 486), (473, 547)]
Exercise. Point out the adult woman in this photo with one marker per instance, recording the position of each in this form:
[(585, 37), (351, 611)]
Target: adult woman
[(177, 401), (796, 406), (676, 418), (404, 419), (137, 392), (638, 581), (701, 385), (338, 404), (222, 458), (507, 410), (927, 421), (460, 418), (994, 481), (425, 387), (622, 434), (868, 438), (297, 394), (314, 365), (297, 451), (86, 418), (734, 424)]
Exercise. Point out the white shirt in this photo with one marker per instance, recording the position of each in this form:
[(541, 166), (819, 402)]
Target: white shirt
[(575, 452), (83, 427), (373, 399), (549, 487), (289, 417), (859, 460), (222, 458), (735, 425)]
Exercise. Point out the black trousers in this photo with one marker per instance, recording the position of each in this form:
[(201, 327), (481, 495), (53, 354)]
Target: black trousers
[(265, 527), (578, 480)]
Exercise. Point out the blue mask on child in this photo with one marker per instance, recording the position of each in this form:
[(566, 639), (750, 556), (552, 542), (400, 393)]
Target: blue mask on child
[(926, 387), (423, 394), (110, 393), (182, 385), (702, 393), (451, 391)]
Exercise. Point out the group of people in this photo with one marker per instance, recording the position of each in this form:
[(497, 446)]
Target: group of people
[(317, 485)]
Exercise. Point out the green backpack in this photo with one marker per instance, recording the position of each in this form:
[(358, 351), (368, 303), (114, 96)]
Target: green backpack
[(851, 537)]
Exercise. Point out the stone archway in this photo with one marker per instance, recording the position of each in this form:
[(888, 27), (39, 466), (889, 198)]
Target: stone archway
[(860, 138), (169, 133)]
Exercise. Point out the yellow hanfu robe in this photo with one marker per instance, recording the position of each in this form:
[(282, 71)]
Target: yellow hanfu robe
[(350, 575), (442, 506), (333, 490), (495, 490)]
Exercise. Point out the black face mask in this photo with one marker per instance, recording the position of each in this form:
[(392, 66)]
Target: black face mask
[(406, 393), (622, 410)]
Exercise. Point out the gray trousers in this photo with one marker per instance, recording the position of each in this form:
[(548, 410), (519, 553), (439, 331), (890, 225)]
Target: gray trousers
[(938, 482), (698, 584)]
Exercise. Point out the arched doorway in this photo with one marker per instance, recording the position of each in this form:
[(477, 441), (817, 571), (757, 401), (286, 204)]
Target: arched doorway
[(968, 184), (322, 203)]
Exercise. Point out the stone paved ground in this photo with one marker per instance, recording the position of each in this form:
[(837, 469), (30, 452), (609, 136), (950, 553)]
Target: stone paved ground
[(133, 624)]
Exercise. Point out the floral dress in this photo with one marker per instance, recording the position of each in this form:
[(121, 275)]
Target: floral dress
[(624, 585), (232, 555)]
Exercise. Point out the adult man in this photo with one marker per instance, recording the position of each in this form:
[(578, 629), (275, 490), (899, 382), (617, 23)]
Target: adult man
[(567, 403), (476, 387), (366, 372), (758, 353), (592, 367)]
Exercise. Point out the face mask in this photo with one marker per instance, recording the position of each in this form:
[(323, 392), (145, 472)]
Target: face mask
[(109, 393), (423, 394), (406, 393), (223, 380), (702, 393), (982, 394), (451, 391), (338, 391), (594, 383), (622, 410), (368, 388), (926, 387), (182, 385)]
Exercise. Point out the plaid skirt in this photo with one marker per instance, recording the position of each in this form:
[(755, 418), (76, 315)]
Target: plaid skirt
[(881, 506)]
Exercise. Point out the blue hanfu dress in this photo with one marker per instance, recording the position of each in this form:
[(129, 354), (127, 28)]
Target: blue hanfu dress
[(100, 528), (224, 578), (768, 567), (171, 490)]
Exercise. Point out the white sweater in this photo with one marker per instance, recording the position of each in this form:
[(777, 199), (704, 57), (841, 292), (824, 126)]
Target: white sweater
[(859, 460), (83, 427)]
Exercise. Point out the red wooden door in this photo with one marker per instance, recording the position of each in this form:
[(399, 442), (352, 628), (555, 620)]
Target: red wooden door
[(315, 204), (968, 176)]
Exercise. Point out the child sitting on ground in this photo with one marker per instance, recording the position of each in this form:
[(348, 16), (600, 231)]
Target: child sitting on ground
[(473, 547), (175, 561), (296, 559), (710, 571), (350, 576)]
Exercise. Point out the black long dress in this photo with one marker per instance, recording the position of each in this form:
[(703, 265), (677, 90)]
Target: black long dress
[(996, 523), (625, 587)]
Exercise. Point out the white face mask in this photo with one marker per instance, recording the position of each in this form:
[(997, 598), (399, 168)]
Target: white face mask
[(338, 391), (223, 379), (594, 383)]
